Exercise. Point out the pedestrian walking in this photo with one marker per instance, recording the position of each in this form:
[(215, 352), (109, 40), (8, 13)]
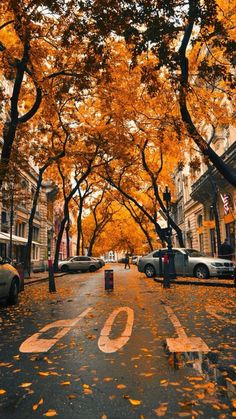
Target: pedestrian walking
[(127, 261), (226, 250)]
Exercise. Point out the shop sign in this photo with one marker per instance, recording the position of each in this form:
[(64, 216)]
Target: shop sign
[(200, 230), (229, 218), (209, 224)]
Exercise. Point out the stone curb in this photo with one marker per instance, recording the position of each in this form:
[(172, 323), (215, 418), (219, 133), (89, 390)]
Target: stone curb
[(35, 281), (188, 282)]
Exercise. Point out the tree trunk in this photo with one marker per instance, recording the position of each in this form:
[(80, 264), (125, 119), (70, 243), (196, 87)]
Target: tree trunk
[(58, 243), (79, 230), (68, 238), (27, 256)]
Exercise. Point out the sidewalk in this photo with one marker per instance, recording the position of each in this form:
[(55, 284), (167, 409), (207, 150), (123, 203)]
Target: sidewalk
[(40, 277)]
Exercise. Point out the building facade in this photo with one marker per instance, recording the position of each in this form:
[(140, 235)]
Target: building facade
[(205, 206), (15, 207)]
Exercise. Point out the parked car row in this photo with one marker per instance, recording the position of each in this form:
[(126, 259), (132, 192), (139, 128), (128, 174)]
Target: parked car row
[(81, 263), (188, 262)]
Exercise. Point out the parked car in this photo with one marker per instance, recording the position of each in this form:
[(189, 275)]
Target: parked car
[(100, 260), (10, 282), (121, 260), (79, 263), (135, 259), (188, 262)]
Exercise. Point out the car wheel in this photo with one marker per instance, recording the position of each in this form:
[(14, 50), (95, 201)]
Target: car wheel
[(65, 268), (92, 268), (201, 272), (149, 271), (14, 292)]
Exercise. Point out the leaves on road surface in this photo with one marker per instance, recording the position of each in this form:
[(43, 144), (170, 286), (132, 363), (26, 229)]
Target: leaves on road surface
[(2, 391), (25, 385), (35, 406), (135, 402), (161, 410), (50, 413), (121, 386)]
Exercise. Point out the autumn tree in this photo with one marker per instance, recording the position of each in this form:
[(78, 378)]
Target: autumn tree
[(136, 133), (36, 57), (101, 213), (194, 46)]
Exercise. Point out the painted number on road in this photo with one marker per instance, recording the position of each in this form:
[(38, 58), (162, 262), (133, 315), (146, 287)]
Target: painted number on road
[(36, 344), (108, 345)]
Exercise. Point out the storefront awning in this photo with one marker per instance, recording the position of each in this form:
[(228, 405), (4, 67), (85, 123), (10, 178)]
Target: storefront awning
[(5, 238)]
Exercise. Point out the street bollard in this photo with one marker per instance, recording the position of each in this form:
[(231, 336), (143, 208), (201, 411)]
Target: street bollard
[(166, 278), (52, 286), (109, 282)]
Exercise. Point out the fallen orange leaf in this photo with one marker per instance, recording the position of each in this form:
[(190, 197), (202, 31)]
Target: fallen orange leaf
[(161, 410), (120, 386), (50, 413), (25, 385), (65, 383), (135, 402), (35, 406), (2, 391)]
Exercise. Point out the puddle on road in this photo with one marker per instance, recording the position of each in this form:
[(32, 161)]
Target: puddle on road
[(221, 379)]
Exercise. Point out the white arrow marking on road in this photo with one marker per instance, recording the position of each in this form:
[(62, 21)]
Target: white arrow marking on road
[(108, 345), (35, 344), (183, 343)]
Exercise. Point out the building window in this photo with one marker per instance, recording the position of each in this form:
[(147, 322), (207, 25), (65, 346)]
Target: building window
[(20, 229), (200, 220), (35, 234), (35, 252), (4, 222)]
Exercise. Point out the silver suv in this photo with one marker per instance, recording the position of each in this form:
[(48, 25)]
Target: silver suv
[(10, 282), (188, 262), (79, 263)]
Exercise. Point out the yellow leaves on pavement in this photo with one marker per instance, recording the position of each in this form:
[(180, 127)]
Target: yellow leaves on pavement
[(65, 383), (35, 406), (43, 374), (161, 410), (2, 391), (107, 379), (25, 385), (72, 396), (121, 386), (147, 374), (87, 389), (50, 413), (135, 402)]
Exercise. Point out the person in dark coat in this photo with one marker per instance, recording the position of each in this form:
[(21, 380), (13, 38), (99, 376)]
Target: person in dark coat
[(226, 250), (127, 261)]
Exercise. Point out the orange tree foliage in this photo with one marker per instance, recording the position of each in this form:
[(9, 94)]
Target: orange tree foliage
[(138, 134), (121, 234), (37, 61), (194, 45)]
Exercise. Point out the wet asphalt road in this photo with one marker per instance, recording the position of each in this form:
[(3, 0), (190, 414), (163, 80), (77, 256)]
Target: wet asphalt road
[(75, 378)]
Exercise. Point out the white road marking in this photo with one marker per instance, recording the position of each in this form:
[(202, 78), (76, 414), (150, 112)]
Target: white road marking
[(35, 344), (108, 345), (212, 310), (183, 343)]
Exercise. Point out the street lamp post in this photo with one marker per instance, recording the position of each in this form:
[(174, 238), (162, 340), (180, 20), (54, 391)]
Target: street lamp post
[(170, 274)]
